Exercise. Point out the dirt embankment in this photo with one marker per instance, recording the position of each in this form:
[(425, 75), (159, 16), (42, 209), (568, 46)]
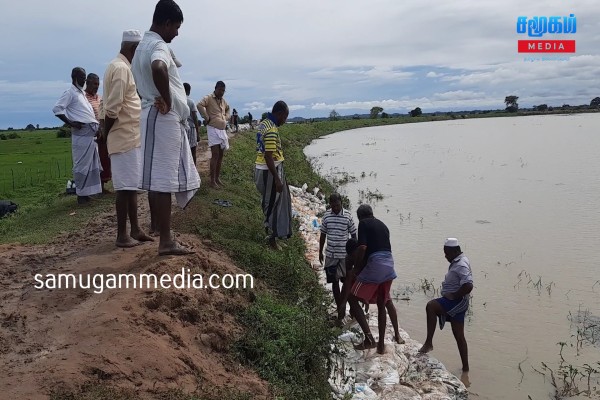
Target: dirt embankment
[(146, 341)]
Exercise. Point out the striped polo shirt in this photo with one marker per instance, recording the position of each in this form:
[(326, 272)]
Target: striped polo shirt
[(338, 228), (267, 139)]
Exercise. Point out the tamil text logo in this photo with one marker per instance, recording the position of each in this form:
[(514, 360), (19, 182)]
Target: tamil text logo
[(536, 27)]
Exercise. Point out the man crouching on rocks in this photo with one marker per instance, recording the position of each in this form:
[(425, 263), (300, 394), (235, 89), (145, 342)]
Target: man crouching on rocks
[(454, 302)]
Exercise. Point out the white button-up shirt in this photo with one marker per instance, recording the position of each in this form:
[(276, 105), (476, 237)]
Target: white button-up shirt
[(75, 106), (152, 48)]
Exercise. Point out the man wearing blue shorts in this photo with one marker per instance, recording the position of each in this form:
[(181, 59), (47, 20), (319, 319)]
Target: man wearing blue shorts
[(454, 302)]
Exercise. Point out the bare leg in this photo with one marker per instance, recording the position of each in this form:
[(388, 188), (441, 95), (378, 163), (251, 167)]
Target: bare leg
[(152, 203), (193, 149), (335, 288), (219, 163), (369, 342), (391, 310), (214, 160), (432, 310), (381, 325), (167, 245), (136, 232), (458, 329), (122, 208)]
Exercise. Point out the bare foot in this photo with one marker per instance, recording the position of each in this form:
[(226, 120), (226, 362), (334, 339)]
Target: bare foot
[(219, 182), (141, 236), (273, 244), (381, 348), (127, 242), (399, 339), (174, 249), (214, 185), (426, 348), (369, 343)]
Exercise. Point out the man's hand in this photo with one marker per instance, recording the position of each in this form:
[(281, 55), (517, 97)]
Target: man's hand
[(76, 125), (162, 105), (278, 185), (205, 122)]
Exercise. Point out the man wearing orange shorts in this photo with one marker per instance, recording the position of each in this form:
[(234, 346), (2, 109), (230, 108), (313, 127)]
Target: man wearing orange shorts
[(373, 275)]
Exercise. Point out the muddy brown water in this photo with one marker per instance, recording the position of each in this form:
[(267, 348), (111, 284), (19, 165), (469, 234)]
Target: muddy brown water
[(522, 196)]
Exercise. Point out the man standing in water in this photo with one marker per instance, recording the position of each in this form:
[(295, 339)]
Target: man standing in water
[(454, 302)]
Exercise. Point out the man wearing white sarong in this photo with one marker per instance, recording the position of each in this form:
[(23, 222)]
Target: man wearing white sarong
[(122, 109), (215, 112), (167, 165), (74, 110)]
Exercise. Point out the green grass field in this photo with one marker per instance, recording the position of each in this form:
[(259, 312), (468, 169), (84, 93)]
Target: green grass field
[(34, 165), (34, 170)]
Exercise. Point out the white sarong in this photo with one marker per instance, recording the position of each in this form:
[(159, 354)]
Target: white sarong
[(167, 164), (192, 135), (217, 137), (86, 161), (126, 169)]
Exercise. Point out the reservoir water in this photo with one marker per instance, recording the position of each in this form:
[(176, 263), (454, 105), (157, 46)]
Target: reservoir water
[(522, 196)]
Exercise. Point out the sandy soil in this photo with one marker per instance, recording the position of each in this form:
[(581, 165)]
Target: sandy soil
[(146, 341)]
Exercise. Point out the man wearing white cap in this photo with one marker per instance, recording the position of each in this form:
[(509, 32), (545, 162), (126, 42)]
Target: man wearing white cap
[(122, 111), (454, 302)]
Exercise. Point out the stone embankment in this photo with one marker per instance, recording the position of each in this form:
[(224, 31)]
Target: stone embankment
[(402, 373)]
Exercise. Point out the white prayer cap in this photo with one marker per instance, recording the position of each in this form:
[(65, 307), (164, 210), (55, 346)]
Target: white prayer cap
[(132, 35), (175, 58), (451, 242)]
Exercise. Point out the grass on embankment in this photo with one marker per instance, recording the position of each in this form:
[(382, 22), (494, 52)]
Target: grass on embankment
[(34, 169), (287, 338)]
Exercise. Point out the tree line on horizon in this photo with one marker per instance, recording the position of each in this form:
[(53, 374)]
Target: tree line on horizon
[(511, 101)]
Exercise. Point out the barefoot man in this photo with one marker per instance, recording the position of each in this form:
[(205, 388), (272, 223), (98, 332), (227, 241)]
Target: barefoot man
[(122, 111), (454, 302), (215, 112), (373, 275), (269, 176), (167, 164), (74, 110)]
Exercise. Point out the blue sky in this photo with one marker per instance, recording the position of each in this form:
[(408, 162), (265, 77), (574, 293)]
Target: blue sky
[(347, 55)]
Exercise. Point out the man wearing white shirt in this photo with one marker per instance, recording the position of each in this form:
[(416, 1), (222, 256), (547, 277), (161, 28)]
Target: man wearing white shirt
[(74, 110), (167, 164)]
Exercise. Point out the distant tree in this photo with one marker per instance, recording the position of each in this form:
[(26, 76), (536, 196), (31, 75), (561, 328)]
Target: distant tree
[(375, 111), (595, 102), (356, 116), (37, 126), (264, 116), (385, 115), (10, 128), (334, 116), (30, 127), (566, 106), (511, 103), (416, 112), (542, 107)]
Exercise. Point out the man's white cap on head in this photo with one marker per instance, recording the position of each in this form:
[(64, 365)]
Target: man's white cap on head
[(175, 58), (132, 35), (451, 242)]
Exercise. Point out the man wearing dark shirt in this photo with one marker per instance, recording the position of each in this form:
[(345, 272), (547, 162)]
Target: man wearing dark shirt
[(374, 273)]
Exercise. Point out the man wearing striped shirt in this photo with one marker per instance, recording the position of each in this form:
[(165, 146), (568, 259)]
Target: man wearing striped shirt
[(336, 227)]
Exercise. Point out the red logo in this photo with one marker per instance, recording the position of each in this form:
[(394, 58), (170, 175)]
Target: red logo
[(546, 46)]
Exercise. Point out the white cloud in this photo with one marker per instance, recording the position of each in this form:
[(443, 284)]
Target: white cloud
[(316, 54), (296, 107)]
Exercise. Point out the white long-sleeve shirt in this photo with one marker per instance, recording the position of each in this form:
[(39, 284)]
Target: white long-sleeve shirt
[(75, 106)]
